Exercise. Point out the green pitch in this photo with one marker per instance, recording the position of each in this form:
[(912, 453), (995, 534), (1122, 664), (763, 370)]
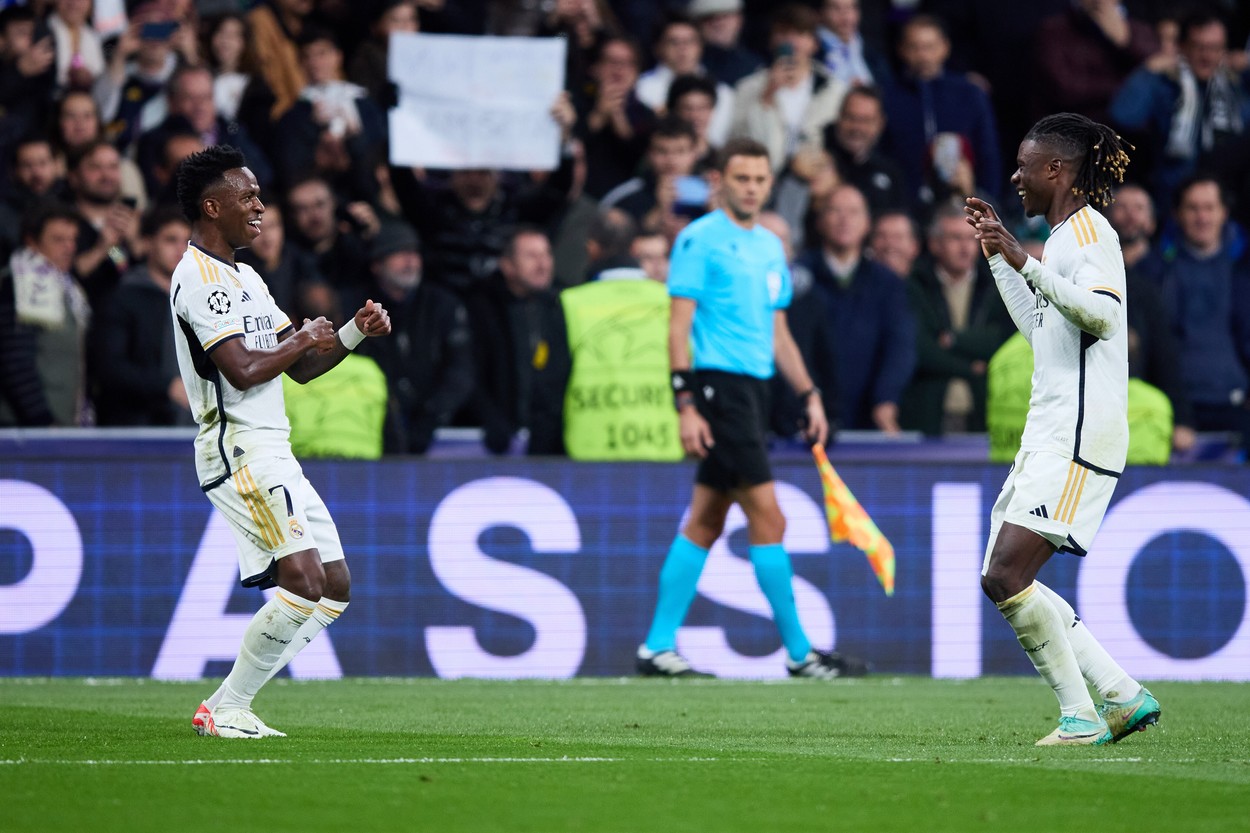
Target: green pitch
[(879, 754)]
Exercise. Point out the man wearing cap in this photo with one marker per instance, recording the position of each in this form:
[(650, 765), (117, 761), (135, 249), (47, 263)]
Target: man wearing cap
[(429, 362)]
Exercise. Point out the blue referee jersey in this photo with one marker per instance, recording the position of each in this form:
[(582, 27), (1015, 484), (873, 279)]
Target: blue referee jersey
[(737, 278)]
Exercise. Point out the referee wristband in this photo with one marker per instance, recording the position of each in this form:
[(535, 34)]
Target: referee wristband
[(683, 388), (350, 334), (810, 392)]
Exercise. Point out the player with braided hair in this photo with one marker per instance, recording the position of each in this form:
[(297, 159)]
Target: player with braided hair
[(1070, 307)]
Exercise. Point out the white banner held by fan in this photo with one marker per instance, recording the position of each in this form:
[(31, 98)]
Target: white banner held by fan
[(475, 102)]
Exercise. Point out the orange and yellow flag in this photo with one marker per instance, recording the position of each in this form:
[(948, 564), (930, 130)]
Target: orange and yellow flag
[(849, 522)]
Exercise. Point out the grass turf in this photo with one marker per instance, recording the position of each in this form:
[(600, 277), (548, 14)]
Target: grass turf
[(877, 754)]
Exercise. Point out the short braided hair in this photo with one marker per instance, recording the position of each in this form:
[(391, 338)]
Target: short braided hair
[(200, 171), (1102, 153)]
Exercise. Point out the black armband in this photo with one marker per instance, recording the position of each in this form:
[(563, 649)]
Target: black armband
[(683, 388)]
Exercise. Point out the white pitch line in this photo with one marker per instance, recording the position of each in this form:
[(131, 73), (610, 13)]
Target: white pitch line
[(384, 761)]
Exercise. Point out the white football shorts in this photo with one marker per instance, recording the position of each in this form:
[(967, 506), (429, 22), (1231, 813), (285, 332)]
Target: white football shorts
[(1054, 496), (274, 511)]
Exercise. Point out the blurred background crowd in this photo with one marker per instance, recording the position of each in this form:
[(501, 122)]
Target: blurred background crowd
[(879, 117)]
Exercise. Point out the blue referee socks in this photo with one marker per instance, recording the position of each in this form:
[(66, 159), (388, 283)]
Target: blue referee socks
[(773, 572), (678, 580)]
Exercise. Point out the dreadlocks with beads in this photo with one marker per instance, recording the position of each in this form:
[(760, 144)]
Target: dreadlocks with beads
[(1103, 154)]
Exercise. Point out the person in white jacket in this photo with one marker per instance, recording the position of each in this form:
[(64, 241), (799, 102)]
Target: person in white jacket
[(787, 105)]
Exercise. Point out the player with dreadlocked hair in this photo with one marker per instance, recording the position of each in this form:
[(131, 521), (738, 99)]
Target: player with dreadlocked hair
[(1070, 307), (1100, 155)]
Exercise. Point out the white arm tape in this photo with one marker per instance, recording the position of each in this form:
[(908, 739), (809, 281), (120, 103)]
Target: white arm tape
[(350, 334)]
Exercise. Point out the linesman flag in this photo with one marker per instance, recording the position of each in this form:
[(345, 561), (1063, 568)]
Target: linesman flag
[(849, 522)]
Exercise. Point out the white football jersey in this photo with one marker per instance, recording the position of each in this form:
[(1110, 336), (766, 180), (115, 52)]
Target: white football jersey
[(212, 302), (1079, 404)]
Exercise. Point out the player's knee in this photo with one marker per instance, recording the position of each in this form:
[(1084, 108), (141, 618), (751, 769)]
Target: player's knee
[(704, 529), (999, 584), (308, 581), (338, 583)]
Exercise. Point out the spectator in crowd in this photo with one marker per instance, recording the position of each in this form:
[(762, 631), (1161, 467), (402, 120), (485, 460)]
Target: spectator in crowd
[(367, 67), (895, 242), (1153, 355), (1206, 291), (868, 311), (79, 49), (608, 242), (654, 196), (650, 248), (192, 107), (289, 271), (692, 99), (928, 100), (585, 25), (133, 366), (1085, 54), (175, 145), (813, 335), (805, 184), (428, 360), (108, 235), (678, 52), (1191, 107), (464, 228), (341, 414), (276, 26), (788, 104), (334, 129), (44, 315), (720, 24), (854, 139), (130, 92), (521, 348), (76, 125), (240, 93), (27, 75), (336, 237), (35, 174), (615, 124), (960, 323), (617, 404), (846, 56)]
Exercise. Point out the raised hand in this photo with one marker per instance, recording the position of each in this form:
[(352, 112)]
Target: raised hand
[(373, 320)]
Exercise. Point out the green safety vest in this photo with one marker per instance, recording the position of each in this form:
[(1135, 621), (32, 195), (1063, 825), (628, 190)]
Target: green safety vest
[(1010, 382), (619, 403), (340, 413)]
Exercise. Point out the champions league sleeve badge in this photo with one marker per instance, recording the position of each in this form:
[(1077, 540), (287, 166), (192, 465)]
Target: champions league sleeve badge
[(219, 302)]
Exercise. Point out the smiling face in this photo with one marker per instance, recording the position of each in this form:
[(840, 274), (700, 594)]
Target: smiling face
[(1035, 177), (234, 204)]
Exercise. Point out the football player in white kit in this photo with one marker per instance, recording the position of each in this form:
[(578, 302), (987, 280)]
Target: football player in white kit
[(233, 346), (1071, 308)]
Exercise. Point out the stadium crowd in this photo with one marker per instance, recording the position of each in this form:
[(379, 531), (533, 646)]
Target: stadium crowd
[(878, 118)]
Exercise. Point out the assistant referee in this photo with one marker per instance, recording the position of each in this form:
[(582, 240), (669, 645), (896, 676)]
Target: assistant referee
[(730, 285)]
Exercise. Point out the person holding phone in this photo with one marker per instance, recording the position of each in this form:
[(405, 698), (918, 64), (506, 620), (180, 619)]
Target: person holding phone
[(667, 189), (789, 103)]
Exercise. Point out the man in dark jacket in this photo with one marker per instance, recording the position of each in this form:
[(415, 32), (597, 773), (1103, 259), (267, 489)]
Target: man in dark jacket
[(134, 367), (522, 350), (867, 307), (960, 322), (428, 360)]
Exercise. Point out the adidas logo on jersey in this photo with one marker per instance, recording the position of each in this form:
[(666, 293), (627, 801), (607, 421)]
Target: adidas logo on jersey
[(1040, 512), (246, 297)]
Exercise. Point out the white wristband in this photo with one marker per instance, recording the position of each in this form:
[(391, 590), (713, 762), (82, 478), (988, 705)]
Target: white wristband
[(350, 334)]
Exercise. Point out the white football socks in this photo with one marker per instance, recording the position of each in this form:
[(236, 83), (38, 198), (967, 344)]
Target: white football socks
[(268, 635), (1097, 666), (325, 615), (1040, 631)]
